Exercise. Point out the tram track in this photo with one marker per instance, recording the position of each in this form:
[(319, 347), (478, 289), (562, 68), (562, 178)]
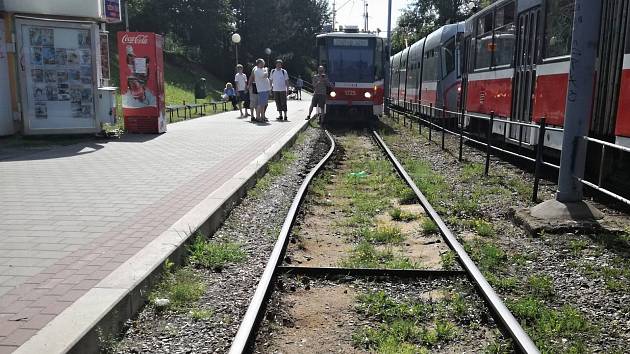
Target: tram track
[(247, 332)]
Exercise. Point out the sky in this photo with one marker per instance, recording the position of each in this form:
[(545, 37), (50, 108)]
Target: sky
[(351, 13)]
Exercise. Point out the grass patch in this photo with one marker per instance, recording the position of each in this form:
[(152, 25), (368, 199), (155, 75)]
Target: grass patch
[(502, 283), (215, 255), (400, 328), (448, 259), (577, 246), (383, 234), (429, 226), (541, 286), (488, 256), (398, 214), (545, 325), (201, 314), (365, 255), (407, 197), (472, 170), (181, 288), (484, 228)]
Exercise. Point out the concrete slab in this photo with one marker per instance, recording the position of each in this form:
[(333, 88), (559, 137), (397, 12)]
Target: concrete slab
[(132, 203)]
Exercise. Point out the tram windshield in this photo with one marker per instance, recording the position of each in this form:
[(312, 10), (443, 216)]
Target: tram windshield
[(352, 61)]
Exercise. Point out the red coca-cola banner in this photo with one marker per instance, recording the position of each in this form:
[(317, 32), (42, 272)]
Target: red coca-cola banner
[(142, 81)]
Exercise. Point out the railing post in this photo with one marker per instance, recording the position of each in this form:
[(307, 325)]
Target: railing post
[(443, 124), (601, 166), (489, 142), (420, 123), (540, 149), (461, 135), (430, 120)]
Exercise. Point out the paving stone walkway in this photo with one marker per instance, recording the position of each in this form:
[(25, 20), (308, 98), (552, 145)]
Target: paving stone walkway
[(71, 215)]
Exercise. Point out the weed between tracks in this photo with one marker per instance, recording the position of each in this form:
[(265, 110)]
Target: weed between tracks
[(469, 207)]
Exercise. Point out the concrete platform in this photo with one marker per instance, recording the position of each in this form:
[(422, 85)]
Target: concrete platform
[(84, 227)]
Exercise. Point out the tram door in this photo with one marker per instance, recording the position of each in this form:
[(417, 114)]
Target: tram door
[(614, 23), (527, 45)]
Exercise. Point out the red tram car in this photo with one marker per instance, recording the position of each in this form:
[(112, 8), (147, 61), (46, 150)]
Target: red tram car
[(512, 58), (355, 66)]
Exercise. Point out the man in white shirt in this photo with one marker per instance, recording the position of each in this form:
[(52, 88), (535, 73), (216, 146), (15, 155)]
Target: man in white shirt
[(260, 76), (240, 82), (280, 84)]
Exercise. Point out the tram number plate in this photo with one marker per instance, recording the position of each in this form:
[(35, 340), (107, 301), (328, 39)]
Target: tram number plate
[(350, 92)]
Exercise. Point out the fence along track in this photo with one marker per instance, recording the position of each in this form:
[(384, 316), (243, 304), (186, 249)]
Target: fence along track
[(247, 329)]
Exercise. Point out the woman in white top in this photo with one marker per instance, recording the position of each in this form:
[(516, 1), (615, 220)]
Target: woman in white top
[(260, 76)]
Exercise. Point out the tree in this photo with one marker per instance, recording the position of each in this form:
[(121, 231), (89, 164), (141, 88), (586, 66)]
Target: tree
[(287, 27), (422, 17)]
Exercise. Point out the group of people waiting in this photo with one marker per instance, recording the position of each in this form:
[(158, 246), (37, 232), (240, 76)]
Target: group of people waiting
[(252, 94)]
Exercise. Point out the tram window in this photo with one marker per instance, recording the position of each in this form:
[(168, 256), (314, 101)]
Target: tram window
[(558, 28), (378, 60), (449, 55), (483, 44), (429, 70), (504, 36)]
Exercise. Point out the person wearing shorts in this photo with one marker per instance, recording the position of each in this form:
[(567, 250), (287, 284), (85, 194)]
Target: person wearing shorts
[(240, 81), (260, 75), (320, 87)]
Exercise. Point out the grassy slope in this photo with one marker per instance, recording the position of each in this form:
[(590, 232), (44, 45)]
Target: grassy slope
[(179, 77)]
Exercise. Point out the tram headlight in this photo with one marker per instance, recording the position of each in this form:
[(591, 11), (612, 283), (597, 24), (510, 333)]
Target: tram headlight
[(367, 95), (333, 94)]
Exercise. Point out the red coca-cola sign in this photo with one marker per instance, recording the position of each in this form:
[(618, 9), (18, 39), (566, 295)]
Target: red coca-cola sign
[(135, 39)]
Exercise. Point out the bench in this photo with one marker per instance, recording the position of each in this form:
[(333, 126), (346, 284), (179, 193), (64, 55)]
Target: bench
[(215, 103), (174, 109)]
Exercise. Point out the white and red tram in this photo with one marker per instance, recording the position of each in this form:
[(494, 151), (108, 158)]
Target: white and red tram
[(355, 65), (514, 59)]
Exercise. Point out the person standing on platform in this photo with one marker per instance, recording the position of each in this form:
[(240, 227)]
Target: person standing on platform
[(240, 80), (299, 83), (260, 76), (320, 90), (280, 84)]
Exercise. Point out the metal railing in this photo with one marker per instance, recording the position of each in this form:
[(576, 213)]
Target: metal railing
[(598, 186), (437, 119)]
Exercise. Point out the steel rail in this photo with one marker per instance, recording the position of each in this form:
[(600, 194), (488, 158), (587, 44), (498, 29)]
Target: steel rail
[(246, 330), (522, 340)]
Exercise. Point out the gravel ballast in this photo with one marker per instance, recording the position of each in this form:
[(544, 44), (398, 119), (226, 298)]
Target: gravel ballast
[(588, 270), (254, 224)]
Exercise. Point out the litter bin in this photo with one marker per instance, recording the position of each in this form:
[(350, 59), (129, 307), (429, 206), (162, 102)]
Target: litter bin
[(106, 105), (200, 90)]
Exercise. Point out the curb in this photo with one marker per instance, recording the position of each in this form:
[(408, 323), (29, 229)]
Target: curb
[(100, 315)]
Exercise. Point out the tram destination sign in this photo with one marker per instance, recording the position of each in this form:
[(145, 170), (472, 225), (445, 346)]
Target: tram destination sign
[(350, 42)]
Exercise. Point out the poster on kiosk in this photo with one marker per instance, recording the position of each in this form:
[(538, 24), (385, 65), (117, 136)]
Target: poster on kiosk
[(142, 81)]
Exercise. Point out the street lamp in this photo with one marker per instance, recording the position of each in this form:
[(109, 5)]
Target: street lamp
[(268, 52), (236, 39)]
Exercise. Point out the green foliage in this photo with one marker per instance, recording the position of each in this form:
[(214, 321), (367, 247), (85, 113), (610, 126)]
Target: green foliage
[(546, 324), (365, 255), (201, 314), (488, 256), (398, 214), (383, 234), (448, 260), (541, 286), (577, 246), (182, 287), (213, 254), (484, 228), (429, 226)]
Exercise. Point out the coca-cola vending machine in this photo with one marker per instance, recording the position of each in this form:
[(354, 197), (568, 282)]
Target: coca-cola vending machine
[(142, 81)]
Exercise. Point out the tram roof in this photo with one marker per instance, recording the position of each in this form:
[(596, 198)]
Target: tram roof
[(348, 35)]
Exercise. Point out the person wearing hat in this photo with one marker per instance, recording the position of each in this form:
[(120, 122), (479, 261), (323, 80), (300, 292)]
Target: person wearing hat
[(280, 85)]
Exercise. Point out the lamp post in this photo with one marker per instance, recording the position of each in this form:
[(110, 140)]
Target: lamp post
[(268, 52), (236, 39)]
